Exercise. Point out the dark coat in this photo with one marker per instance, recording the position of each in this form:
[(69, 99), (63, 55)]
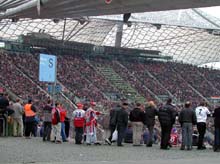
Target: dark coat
[(113, 116), (187, 116), (167, 115), (150, 113), (3, 102), (216, 115), (122, 118), (137, 115)]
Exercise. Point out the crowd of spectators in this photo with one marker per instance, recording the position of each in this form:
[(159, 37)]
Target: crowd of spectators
[(17, 82), (81, 76)]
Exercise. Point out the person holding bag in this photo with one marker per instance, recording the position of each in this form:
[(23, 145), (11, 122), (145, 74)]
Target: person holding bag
[(122, 122)]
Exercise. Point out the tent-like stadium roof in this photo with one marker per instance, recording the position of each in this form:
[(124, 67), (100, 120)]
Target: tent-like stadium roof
[(77, 8), (189, 35)]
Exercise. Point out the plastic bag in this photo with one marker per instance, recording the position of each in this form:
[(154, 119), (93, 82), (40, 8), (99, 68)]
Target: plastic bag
[(115, 135)]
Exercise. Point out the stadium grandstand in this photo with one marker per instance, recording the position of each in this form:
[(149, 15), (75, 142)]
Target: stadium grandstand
[(140, 56)]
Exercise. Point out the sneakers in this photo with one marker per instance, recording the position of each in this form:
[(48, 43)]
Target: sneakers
[(58, 142), (201, 148), (108, 141), (120, 145)]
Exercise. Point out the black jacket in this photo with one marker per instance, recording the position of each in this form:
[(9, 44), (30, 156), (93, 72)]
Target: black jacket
[(150, 113), (3, 102), (113, 116), (137, 115), (167, 115), (216, 115), (187, 116), (122, 118)]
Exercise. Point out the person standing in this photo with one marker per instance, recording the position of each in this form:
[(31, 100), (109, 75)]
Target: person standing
[(91, 123), (201, 114), (167, 116), (67, 126), (187, 119), (56, 124), (150, 113), (79, 122), (122, 122), (112, 123), (47, 116), (216, 116), (62, 119), (30, 113), (17, 119), (137, 118)]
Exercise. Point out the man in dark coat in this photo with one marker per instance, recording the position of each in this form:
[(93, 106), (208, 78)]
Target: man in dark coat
[(150, 113), (187, 119), (216, 116), (112, 123), (122, 122), (137, 119), (167, 116), (5, 111), (47, 113)]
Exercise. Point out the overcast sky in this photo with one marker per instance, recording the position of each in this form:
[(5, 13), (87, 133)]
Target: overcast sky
[(214, 11)]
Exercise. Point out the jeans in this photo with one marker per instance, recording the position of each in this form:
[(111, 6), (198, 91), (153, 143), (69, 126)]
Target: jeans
[(187, 135), (63, 134)]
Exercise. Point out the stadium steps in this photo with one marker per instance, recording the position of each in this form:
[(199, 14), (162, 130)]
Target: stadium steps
[(115, 79), (98, 72), (210, 83), (158, 82), (189, 85), (151, 92)]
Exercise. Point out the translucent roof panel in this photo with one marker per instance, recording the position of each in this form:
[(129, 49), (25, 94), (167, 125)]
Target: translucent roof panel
[(48, 9), (196, 41)]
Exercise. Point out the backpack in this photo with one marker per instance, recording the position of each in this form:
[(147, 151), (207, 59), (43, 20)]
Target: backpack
[(56, 117)]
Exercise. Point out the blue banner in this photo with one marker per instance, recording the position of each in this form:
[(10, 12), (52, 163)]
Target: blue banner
[(47, 68)]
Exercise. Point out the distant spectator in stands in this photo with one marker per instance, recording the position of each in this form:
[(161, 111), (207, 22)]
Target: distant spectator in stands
[(17, 119), (201, 114), (167, 115), (137, 118), (187, 119), (47, 118), (150, 113)]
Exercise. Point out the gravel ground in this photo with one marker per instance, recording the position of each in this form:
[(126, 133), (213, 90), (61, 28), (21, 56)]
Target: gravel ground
[(21, 150)]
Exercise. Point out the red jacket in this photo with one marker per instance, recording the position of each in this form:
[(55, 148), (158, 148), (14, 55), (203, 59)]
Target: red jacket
[(79, 118), (62, 114)]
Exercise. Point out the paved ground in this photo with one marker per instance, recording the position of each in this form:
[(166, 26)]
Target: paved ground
[(20, 150)]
